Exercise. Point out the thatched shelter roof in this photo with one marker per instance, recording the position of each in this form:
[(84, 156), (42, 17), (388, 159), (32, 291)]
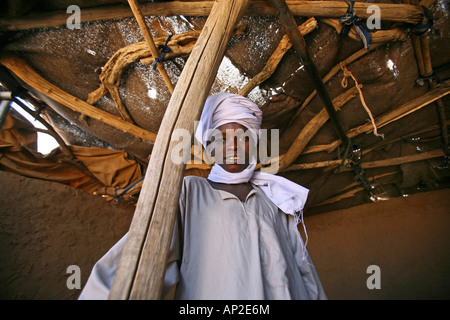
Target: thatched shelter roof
[(97, 90)]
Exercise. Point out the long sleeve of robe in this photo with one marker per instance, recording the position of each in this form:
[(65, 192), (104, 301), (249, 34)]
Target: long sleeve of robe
[(223, 248)]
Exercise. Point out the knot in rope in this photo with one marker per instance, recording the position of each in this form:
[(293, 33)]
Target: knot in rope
[(352, 159), (433, 75), (344, 83), (350, 19), (164, 49), (419, 29)]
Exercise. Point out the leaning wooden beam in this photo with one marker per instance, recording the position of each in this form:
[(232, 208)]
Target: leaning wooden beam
[(283, 47), (22, 70), (329, 9), (141, 269)]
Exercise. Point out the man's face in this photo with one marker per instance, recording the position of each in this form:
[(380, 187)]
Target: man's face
[(234, 144)]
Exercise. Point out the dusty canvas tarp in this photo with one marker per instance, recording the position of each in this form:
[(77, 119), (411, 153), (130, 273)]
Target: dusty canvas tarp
[(18, 154)]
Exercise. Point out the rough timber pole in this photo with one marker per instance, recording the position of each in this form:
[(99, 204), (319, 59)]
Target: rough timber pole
[(141, 268), (299, 44)]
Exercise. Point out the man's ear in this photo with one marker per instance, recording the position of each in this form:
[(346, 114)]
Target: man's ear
[(213, 150)]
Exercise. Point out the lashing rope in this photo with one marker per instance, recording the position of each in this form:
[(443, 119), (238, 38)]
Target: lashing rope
[(164, 49), (117, 196), (419, 29), (350, 19), (344, 83)]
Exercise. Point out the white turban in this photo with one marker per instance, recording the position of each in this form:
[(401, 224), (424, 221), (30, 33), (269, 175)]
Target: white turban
[(224, 108)]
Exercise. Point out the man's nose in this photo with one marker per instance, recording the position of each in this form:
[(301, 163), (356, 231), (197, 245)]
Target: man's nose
[(231, 144)]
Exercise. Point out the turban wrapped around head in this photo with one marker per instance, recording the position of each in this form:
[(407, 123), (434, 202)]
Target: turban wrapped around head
[(224, 108)]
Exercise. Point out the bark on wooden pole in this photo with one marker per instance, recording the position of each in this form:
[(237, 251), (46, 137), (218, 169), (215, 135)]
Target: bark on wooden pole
[(142, 265)]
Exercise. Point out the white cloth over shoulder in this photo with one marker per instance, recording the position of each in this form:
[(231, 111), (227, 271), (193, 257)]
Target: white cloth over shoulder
[(290, 197)]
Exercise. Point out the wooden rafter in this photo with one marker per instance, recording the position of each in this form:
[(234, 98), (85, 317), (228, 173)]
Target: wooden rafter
[(370, 164), (350, 190), (379, 36), (330, 9), (299, 44), (180, 45), (312, 127), (328, 76), (70, 156)]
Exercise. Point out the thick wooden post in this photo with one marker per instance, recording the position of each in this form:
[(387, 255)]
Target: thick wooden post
[(142, 265), (299, 44)]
